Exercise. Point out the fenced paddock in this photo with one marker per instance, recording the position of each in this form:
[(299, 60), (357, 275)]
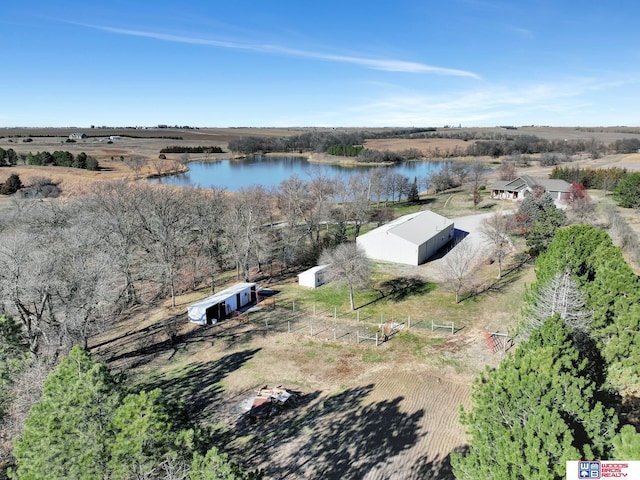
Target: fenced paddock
[(327, 323)]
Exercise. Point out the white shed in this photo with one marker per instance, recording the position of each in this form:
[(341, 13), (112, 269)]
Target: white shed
[(220, 305), (312, 278), (410, 239)]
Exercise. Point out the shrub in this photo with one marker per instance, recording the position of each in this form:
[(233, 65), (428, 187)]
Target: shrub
[(12, 185)]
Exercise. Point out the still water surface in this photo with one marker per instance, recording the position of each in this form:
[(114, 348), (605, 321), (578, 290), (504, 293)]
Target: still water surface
[(270, 171)]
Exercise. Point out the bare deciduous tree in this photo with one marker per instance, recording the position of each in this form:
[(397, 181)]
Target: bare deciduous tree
[(136, 164), (116, 208), (166, 225), (496, 230), (507, 171), (348, 265), (243, 220), (461, 171), (208, 209), (458, 266)]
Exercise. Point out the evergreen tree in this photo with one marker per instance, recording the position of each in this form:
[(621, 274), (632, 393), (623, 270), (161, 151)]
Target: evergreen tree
[(573, 249), (414, 194), (544, 229), (68, 433), (535, 412), (627, 192), (627, 444), (145, 432), (83, 428), (217, 466), (12, 185)]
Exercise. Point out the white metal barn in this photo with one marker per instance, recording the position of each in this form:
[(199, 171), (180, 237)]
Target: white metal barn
[(220, 305), (312, 278), (410, 239)]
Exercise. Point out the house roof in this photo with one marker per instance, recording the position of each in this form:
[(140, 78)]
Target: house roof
[(525, 181), (555, 185), (415, 228)]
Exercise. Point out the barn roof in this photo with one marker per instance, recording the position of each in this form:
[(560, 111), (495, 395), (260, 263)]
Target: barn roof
[(415, 228)]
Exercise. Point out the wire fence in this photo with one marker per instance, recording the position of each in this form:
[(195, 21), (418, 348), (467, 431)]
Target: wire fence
[(330, 324)]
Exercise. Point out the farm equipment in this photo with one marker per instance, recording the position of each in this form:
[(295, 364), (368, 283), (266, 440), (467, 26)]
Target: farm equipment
[(268, 402), (390, 328)]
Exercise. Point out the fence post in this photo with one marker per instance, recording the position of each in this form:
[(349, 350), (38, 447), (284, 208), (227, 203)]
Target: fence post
[(311, 327), (335, 312), (293, 306), (289, 326), (266, 323), (358, 315), (452, 327), (376, 339), (314, 308), (432, 325), (334, 334), (409, 321), (358, 336)]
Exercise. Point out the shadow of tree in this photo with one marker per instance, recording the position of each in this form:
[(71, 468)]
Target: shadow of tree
[(438, 468), (342, 437), (198, 386), (140, 347), (403, 287)]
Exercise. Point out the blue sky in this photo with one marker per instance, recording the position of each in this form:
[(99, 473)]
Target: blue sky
[(325, 63)]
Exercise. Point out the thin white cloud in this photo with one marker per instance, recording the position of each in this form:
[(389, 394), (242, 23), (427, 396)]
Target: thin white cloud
[(523, 32), (498, 103), (389, 65)]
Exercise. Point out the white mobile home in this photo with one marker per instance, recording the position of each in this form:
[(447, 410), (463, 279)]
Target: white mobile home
[(312, 278), (220, 305), (410, 239)]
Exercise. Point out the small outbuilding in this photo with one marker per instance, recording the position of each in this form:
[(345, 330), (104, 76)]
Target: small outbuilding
[(312, 278), (410, 239), (219, 306)]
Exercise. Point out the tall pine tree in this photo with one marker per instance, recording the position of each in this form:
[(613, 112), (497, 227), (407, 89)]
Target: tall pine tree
[(537, 410)]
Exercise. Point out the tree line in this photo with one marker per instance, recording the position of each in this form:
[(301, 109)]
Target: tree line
[(62, 158), (482, 143), (187, 149), (592, 178), (560, 396)]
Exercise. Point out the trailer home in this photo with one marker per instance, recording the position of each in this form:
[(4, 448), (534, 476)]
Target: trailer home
[(221, 305)]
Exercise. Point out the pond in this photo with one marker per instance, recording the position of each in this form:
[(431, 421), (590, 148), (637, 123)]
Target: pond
[(270, 171)]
